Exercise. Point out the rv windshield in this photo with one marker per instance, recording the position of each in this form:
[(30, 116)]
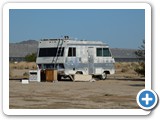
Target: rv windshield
[(51, 52)]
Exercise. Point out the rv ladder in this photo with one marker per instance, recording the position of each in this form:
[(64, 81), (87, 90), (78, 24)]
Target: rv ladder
[(59, 52)]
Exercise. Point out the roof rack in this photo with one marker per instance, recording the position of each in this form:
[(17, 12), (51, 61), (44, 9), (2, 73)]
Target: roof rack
[(64, 38)]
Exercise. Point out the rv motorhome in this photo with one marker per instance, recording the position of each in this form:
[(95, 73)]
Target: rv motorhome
[(70, 57)]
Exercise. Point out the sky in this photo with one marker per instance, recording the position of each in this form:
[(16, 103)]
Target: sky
[(119, 28)]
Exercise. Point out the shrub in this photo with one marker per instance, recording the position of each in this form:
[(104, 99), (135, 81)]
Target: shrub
[(30, 57), (124, 70), (141, 69), (141, 54), (25, 74)]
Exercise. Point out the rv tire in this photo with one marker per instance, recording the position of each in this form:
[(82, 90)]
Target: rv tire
[(59, 77), (79, 72), (103, 76)]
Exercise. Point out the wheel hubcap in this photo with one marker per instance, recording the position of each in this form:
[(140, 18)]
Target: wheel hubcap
[(103, 75)]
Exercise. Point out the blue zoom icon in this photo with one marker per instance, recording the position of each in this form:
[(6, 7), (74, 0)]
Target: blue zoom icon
[(147, 99)]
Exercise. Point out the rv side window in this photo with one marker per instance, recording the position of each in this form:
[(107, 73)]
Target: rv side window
[(99, 52), (49, 52), (72, 52), (103, 52), (106, 52)]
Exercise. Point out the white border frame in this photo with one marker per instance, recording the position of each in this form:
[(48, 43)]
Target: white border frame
[(8, 6)]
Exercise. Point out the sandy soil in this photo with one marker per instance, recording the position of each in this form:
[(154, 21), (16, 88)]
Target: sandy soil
[(117, 92), (107, 94)]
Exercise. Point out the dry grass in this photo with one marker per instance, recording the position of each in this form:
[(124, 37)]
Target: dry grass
[(21, 69), (126, 70), (126, 67), (23, 65)]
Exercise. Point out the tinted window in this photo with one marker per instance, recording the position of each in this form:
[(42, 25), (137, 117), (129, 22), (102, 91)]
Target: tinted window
[(99, 51), (106, 52), (50, 52), (74, 51), (103, 52), (71, 52)]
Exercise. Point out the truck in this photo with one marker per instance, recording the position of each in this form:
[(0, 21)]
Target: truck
[(70, 56)]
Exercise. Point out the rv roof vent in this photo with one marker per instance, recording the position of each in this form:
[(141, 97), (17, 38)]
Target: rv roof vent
[(66, 37)]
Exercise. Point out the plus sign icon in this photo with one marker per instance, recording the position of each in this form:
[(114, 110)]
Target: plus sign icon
[(147, 99)]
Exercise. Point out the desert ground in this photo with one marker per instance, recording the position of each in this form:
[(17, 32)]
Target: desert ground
[(118, 91)]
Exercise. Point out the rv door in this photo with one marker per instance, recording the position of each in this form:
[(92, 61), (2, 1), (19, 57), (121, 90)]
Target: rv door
[(90, 60)]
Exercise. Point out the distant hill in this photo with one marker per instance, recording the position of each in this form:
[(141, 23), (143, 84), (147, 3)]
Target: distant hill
[(21, 49), (29, 42)]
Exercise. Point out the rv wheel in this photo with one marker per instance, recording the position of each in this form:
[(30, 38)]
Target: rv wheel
[(103, 76), (59, 77)]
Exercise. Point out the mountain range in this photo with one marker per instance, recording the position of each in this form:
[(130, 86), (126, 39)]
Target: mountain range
[(21, 49)]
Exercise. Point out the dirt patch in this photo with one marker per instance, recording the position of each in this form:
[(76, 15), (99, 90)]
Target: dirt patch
[(108, 94)]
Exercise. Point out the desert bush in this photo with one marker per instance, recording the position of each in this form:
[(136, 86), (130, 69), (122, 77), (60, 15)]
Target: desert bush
[(31, 57), (26, 74), (124, 70), (141, 54), (118, 65), (134, 64), (34, 67), (140, 69)]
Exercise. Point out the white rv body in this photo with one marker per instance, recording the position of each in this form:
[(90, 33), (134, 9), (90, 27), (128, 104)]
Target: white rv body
[(71, 57)]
